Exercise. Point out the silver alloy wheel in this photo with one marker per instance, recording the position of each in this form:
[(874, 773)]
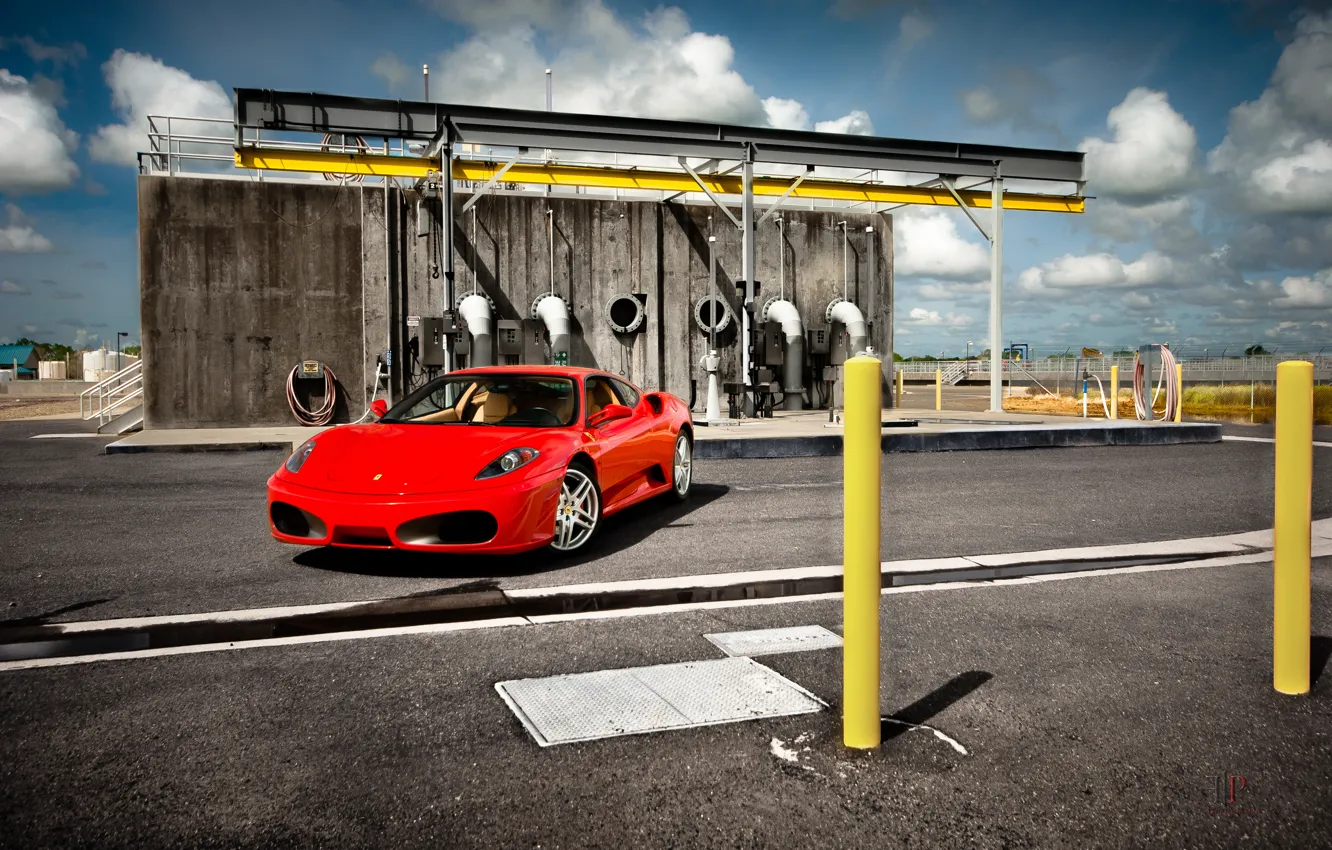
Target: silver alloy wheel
[(684, 465), (578, 511)]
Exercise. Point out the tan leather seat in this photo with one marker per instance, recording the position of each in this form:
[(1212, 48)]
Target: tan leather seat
[(599, 395), (495, 407)]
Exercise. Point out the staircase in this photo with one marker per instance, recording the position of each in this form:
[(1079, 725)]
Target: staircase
[(955, 373), (116, 402)]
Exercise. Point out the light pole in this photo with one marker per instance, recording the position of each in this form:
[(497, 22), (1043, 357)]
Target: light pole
[(119, 334), (968, 349)]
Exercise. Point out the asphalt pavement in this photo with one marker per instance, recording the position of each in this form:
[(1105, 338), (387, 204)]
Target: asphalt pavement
[(1094, 712), (90, 536)]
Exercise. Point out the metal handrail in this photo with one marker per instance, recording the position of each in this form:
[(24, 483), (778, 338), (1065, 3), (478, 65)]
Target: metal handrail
[(111, 393)]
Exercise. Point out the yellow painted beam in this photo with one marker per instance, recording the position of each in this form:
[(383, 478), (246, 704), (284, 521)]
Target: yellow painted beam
[(381, 165)]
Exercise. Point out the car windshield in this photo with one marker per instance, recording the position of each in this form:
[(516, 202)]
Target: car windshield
[(529, 401)]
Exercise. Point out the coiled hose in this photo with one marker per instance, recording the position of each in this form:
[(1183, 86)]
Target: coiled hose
[(324, 414), (1174, 393)]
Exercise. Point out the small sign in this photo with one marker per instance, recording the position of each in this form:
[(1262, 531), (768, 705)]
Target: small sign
[(561, 358), (413, 321)]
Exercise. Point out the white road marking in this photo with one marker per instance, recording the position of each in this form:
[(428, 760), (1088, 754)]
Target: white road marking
[(1229, 439), (65, 436), (31, 663), (941, 736)]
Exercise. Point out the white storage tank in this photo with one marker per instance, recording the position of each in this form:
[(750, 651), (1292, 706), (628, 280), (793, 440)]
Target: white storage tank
[(51, 370), (6, 375)]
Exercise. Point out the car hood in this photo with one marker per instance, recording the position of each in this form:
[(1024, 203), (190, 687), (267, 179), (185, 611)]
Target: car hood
[(395, 458)]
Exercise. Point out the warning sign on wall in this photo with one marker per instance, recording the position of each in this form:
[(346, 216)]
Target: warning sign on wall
[(561, 358)]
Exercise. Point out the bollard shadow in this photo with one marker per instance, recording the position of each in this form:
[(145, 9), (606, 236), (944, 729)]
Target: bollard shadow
[(923, 709), (1320, 650)]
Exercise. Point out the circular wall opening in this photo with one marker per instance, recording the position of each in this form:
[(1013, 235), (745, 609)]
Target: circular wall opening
[(625, 313), (712, 313)]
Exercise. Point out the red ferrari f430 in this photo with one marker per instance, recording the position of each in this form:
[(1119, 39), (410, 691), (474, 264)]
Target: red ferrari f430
[(497, 460)]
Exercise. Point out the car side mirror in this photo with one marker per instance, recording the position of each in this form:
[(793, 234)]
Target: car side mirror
[(609, 413), (379, 407)]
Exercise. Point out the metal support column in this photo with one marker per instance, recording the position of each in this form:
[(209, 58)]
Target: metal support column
[(747, 270), (446, 237), (997, 295)]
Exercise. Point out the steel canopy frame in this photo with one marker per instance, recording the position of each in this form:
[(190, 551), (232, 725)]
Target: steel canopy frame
[(443, 125)]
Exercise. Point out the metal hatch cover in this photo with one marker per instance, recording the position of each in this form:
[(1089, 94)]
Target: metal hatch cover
[(636, 700)]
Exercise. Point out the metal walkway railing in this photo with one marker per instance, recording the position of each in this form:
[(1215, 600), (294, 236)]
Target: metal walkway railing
[(109, 397)]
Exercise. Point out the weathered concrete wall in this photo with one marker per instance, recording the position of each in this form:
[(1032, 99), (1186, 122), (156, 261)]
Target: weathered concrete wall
[(607, 248), (240, 281)]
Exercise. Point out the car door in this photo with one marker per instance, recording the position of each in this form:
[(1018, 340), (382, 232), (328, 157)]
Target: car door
[(650, 445), (618, 440)]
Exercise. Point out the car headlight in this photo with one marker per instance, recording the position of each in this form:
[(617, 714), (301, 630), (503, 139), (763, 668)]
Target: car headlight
[(508, 462), (298, 457)]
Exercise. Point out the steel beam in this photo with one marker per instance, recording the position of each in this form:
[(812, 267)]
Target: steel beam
[(952, 190), (704, 186), (625, 178), (795, 184), (747, 269), (322, 113), (494, 178)]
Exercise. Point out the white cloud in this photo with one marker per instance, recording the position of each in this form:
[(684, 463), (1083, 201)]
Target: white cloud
[(142, 86), (856, 122), (1276, 156), (1138, 301), (932, 318), (927, 244), (951, 291), (785, 113), (391, 70), (1303, 291), (18, 235), (1152, 151), (36, 143), (981, 105), (1107, 271), (82, 338), (9, 287), (655, 67)]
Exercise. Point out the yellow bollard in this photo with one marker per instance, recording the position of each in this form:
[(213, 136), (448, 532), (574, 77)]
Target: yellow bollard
[(1114, 392), (862, 463), (1292, 527), (1179, 382), (938, 389), (900, 374)]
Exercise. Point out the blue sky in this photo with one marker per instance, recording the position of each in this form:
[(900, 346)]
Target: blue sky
[(1208, 126)]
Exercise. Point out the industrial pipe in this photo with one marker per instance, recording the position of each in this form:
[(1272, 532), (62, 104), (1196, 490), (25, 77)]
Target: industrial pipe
[(854, 321), (475, 311), (793, 364), (554, 313)]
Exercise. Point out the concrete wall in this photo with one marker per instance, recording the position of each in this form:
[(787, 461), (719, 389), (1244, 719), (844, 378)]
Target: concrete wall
[(238, 282), (44, 389), (242, 280), (607, 248)]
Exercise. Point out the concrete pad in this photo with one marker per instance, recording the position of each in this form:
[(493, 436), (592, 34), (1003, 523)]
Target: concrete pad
[(284, 439)]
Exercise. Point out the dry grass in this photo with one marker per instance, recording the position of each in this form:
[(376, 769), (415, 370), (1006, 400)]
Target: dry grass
[(1204, 401), (24, 408)]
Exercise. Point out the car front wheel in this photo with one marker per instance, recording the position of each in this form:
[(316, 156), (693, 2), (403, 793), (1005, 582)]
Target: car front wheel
[(579, 511)]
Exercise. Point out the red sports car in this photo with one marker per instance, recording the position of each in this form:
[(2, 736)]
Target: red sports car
[(499, 459)]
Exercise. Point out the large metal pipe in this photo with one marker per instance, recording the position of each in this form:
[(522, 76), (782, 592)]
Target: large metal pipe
[(554, 313), (793, 364), (475, 311), (850, 316)]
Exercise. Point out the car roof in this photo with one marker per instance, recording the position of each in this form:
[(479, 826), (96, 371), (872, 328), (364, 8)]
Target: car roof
[(562, 371)]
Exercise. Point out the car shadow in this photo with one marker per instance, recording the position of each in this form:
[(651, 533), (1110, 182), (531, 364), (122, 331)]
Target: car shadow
[(619, 532), (45, 617), (1320, 650)]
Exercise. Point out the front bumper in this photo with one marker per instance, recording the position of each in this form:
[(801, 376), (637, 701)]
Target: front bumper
[(521, 516)]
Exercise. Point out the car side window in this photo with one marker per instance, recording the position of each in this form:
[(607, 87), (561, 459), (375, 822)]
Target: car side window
[(599, 394), (628, 395)]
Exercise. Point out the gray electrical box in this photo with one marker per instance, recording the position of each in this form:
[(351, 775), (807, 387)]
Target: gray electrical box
[(462, 344), (772, 343), (817, 339), (509, 337), (534, 345), (431, 335), (837, 345)]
